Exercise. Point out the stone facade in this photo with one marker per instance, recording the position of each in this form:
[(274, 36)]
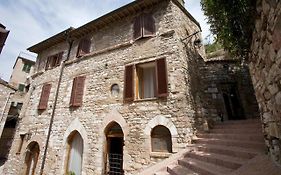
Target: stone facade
[(112, 49), (227, 90), (265, 69)]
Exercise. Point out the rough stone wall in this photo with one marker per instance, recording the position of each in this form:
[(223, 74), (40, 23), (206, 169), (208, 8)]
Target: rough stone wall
[(265, 64), (100, 107), (217, 77)]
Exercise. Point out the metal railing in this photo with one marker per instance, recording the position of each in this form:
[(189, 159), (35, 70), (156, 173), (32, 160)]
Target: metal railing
[(115, 164)]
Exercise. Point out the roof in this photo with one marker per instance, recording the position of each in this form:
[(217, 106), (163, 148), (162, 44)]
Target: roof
[(118, 14), (5, 83), (24, 60)]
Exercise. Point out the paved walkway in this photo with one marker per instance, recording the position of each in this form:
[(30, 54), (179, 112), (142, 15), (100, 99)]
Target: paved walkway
[(260, 165)]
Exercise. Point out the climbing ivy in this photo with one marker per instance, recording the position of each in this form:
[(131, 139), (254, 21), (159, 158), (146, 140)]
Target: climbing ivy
[(232, 22)]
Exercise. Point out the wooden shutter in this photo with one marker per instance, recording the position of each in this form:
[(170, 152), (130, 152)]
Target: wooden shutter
[(83, 47), (148, 25), (77, 91), (129, 83), (44, 96), (161, 74), (58, 58), (138, 27), (48, 62)]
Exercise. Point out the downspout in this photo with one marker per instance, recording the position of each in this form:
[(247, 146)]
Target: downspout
[(70, 42)]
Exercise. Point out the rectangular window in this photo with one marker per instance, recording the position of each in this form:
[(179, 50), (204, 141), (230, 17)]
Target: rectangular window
[(83, 47), (26, 68), (54, 61), (43, 103), (146, 84), (149, 80), (21, 87), (76, 98)]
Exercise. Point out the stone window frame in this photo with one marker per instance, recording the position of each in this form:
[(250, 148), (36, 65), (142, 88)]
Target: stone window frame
[(163, 120)]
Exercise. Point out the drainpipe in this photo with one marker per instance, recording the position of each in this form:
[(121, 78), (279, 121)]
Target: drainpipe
[(70, 42), (3, 111)]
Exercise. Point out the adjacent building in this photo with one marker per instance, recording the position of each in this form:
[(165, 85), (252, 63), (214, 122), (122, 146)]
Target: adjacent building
[(3, 36)]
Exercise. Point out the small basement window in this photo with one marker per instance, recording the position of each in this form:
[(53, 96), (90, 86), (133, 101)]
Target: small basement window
[(161, 140)]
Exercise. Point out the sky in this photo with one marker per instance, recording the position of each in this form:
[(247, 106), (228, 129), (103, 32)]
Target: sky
[(32, 21)]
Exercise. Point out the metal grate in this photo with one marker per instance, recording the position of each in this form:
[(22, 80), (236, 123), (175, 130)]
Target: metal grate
[(115, 163)]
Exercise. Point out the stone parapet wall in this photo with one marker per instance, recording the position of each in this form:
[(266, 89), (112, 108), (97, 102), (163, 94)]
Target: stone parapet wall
[(265, 68)]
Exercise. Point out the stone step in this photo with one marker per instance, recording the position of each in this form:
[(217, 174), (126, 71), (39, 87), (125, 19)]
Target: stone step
[(238, 126), (203, 168), (162, 173), (244, 144), (240, 122), (180, 170), (226, 150), (249, 137), (218, 159), (236, 131)]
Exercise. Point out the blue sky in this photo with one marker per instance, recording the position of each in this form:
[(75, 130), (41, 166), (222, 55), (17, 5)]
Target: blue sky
[(31, 21)]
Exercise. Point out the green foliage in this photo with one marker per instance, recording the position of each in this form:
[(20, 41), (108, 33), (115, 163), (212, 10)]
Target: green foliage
[(232, 22), (70, 173), (212, 47)]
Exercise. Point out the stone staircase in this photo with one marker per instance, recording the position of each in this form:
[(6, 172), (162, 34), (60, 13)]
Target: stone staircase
[(228, 146)]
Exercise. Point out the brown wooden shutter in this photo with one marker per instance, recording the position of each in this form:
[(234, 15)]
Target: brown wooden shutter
[(138, 27), (129, 83), (77, 91), (161, 74), (83, 47), (43, 103), (58, 58), (148, 25), (48, 62)]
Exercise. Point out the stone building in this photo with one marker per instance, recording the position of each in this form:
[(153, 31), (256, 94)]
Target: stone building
[(112, 96), (265, 70), (22, 70), (227, 88), (3, 36), (12, 97)]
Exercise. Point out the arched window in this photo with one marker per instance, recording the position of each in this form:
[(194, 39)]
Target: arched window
[(75, 154), (161, 140), (31, 158)]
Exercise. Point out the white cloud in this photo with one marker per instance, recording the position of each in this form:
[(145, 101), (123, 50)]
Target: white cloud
[(32, 21)]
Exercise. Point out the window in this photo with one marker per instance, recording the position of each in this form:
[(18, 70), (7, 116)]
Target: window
[(146, 80), (19, 106), (144, 26), (32, 154), (26, 67), (150, 80), (54, 61), (83, 47), (161, 140), (75, 153), (44, 96), (76, 98), (21, 87), (115, 90)]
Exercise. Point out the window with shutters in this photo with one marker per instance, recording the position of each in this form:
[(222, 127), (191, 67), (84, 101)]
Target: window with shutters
[(54, 61), (144, 26), (83, 47), (146, 80), (161, 140), (21, 87), (43, 103), (76, 98), (26, 67)]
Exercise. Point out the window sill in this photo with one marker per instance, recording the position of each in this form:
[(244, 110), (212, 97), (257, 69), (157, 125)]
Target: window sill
[(160, 154), (146, 99)]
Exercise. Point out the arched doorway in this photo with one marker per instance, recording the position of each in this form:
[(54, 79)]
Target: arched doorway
[(114, 149), (75, 153), (31, 158)]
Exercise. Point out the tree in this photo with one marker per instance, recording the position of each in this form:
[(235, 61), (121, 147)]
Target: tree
[(232, 21)]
